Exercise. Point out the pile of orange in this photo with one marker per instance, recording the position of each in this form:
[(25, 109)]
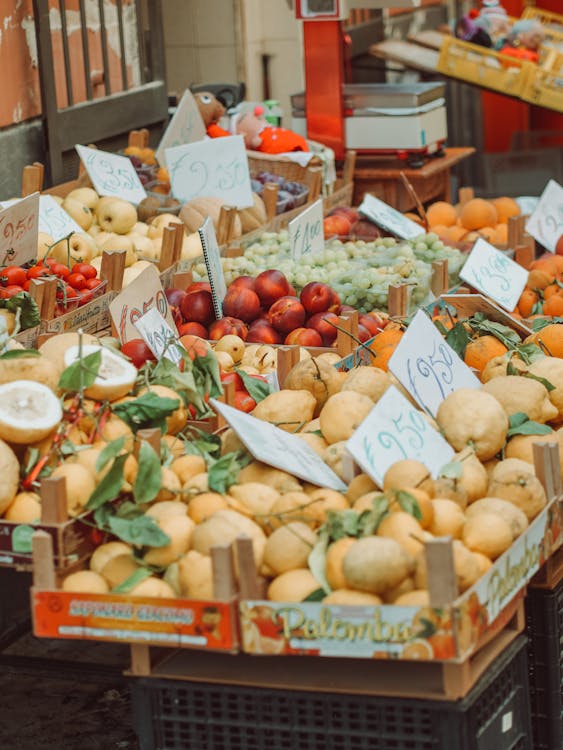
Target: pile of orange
[(543, 294), (384, 344)]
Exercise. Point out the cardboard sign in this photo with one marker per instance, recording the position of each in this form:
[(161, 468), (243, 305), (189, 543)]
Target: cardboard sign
[(389, 218), (186, 126), (495, 275), (212, 257), (546, 223), (112, 174), (217, 167), (18, 231), (278, 448), (54, 220), (427, 366), (395, 430), (133, 302), (306, 233), (161, 339)]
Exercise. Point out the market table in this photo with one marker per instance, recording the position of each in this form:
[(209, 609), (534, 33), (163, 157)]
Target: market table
[(381, 177)]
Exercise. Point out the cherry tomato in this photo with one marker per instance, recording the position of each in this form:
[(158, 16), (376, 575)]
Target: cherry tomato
[(60, 270), (85, 296), (88, 271), (244, 402), (233, 377), (12, 275), (138, 352), (76, 280), (26, 285), (10, 291), (38, 272), (49, 262), (93, 283), (67, 294)]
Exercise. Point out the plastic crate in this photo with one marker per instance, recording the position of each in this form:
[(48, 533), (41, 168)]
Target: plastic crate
[(544, 616), (544, 88), (176, 715)]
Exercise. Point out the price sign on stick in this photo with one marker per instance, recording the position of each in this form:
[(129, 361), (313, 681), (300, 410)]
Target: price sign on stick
[(278, 448), (395, 430), (495, 275), (427, 366), (186, 126), (306, 234), (546, 223), (217, 167), (54, 220), (18, 231), (161, 339), (212, 257), (390, 219), (112, 174)]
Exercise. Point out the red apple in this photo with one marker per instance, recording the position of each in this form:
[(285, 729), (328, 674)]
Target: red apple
[(292, 292), (304, 337), (261, 332), (336, 225), (286, 314), (321, 323), (175, 298), (193, 328), (138, 352), (382, 318), (270, 286), (241, 303), (198, 307), (316, 297), (198, 286), (371, 323), (244, 282), (346, 308), (364, 334), (350, 213), (226, 326), (364, 230), (336, 305), (232, 377)]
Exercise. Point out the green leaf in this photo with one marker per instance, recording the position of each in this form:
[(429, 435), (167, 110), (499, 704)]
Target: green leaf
[(32, 458), (20, 353), (201, 443), (317, 564), (316, 596), (369, 520), (529, 428), (82, 373), (101, 516), (540, 323), (503, 333), (128, 509), (546, 384), (537, 308), (341, 523), (458, 338), (149, 475), (441, 327), (518, 418), (110, 486), (110, 452), (134, 579), (146, 411), (452, 470), (409, 504), (224, 472), (29, 312), (183, 383), (530, 352), (142, 531), (317, 432), (257, 389)]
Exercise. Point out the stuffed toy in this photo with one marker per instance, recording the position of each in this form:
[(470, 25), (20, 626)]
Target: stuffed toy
[(524, 41), (494, 20), (260, 136), (211, 111)]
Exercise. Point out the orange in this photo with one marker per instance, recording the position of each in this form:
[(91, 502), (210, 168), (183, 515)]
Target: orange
[(385, 344), (441, 213), (455, 233), (553, 307), (133, 151), (442, 645), (548, 264), (482, 350), (506, 207), (550, 290), (489, 234), (441, 230), (539, 279), (148, 157), (163, 175), (526, 303), (502, 234), (478, 213), (551, 337)]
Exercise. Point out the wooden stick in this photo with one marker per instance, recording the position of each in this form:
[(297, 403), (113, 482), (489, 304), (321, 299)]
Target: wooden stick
[(349, 167), (414, 196), (440, 280), (54, 506), (228, 397), (270, 198), (524, 255), (233, 251), (180, 231), (224, 583), (249, 583), (167, 248), (112, 269), (287, 358), (547, 466), (44, 292), (398, 300), (140, 660), (514, 231), (345, 343), (41, 168), (225, 229), (315, 183), (32, 179), (465, 195), (440, 571), (43, 561)]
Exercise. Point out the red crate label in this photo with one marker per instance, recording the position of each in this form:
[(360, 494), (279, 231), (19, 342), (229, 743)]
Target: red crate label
[(113, 617)]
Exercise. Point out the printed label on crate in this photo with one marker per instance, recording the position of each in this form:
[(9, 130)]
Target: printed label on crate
[(71, 542), (135, 300), (217, 167), (314, 629), (212, 257), (306, 233), (278, 448), (112, 174), (18, 231), (92, 317), (546, 223), (186, 126), (427, 366), (54, 220), (161, 339), (395, 430), (495, 275), (388, 218), (467, 305), (116, 617)]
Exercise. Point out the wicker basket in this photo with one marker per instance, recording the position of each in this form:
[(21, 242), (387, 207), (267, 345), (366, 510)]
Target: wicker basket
[(290, 170)]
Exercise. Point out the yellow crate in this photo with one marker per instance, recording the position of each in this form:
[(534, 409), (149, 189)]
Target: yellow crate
[(554, 21), (553, 61), (545, 89), (484, 67)]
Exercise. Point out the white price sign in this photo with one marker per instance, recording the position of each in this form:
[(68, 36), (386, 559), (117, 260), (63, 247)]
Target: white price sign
[(278, 448), (159, 336), (112, 174), (394, 430), (306, 233), (388, 218), (427, 366), (212, 257), (546, 223), (217, 167), (186, 126), (495, 275), (18, 231), (54, 220)]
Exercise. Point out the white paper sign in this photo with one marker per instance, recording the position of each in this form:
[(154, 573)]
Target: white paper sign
[(112, 174), (306, 233), (212, 257), (278, 448), (395, 430), (18, 231), (159, 336), (389, 218), (427, 366), (215, 168), (54, 220), (495, 275), (546, 223), (186, 126)]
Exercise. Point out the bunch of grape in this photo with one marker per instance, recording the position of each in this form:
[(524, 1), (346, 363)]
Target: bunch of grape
[(429, 247)]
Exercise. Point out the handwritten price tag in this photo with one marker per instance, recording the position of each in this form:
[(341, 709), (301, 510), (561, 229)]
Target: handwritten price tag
[(186, 126), (306, 234), (212, 257), (390, 219), (112, 174), (278, 448), (54, 220), (495, 275), (18, 231), (395, 430), (427, 366), (546, 223), (217, 167), (161, 339)]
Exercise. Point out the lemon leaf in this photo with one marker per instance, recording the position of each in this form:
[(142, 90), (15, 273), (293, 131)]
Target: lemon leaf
[(82, 373), (149, 475), (224, 472), (134, 579), (256, 388), (409, 504), (142, 531), (316, 596), (451, 470), (19, 353), (110, 486), (111, 450), (458, 338), (146, 411)]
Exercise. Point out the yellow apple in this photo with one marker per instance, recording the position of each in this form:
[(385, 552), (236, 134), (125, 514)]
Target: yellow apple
[(191, 247), (80, 248), (120, 242), (143, 246), (141, 228), (79, 212), (85, 195), (117, 216), (156, 227)]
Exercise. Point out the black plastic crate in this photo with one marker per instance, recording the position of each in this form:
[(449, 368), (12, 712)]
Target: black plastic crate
[(180, 715), (544, 619)]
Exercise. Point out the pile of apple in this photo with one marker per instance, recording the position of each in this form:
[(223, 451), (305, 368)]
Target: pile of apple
[(346, 223)]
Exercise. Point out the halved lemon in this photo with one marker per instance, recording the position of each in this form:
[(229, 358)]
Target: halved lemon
[(29, 411), (116, 376)]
